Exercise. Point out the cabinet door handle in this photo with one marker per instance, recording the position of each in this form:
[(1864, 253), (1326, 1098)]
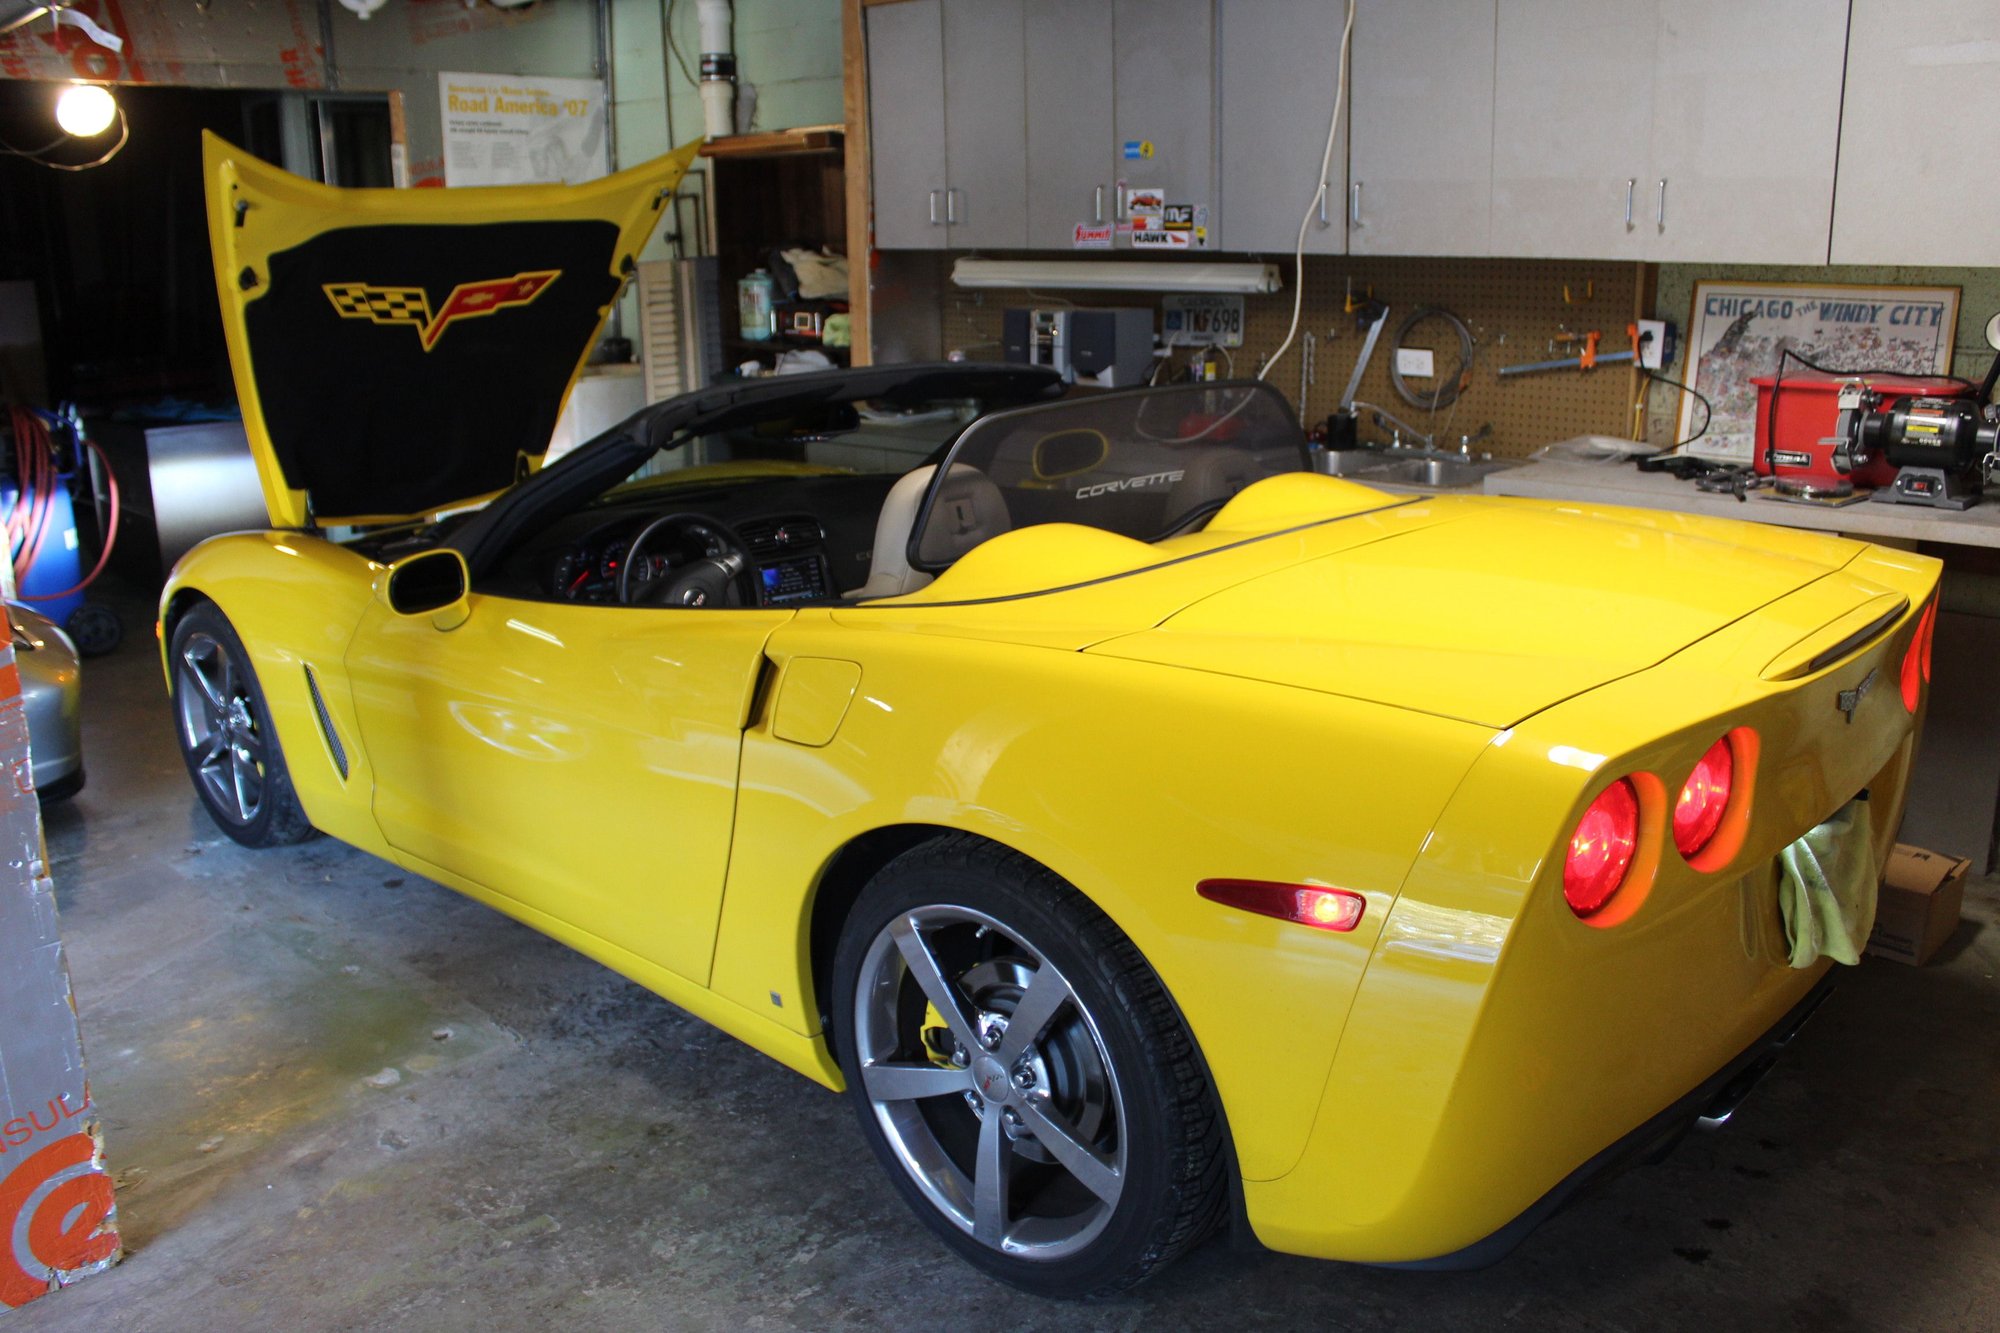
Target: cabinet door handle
[(934, 213), (951, 205), (1631, 184), (1663, 203), (1323, 220), (1097, 206), (1354, 203)]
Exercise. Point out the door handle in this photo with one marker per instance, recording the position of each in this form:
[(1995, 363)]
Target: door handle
[(1663, 203), (951, 205), (1322, 209), (1631, 184), (1097, 205), (934, 212), (1354, 203)]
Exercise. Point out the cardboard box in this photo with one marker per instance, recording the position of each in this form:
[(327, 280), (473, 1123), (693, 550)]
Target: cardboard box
[(1922, 892)]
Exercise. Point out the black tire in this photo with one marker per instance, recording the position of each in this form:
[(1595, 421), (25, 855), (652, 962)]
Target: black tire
[(1111, 1074), (95, 629), (223, 726)]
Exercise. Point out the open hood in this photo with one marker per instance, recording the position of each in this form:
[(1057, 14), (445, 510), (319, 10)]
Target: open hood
[(398, 352)]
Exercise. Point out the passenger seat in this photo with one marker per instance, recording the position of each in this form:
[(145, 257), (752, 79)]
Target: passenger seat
[(970, 509)]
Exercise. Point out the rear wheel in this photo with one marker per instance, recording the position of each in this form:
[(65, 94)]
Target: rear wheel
[(1022, 1075), (224, 729)]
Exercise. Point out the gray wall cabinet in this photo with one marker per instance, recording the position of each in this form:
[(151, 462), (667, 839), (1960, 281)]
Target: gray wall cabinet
[(947, 118)]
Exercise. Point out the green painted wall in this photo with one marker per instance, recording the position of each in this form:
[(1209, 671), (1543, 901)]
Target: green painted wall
[(789, 50)]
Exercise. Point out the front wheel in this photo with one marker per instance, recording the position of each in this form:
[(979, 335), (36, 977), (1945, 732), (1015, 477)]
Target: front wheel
[(1022, 1074), (225, 734)]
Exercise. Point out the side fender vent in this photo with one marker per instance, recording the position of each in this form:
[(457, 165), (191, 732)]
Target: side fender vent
[(335, 750)]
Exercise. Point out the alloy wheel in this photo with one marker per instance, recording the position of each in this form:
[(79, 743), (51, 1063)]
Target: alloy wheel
[(991, 1081), (220, 729)]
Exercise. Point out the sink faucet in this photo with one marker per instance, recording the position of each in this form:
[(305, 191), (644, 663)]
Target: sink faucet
[(1385, 421)]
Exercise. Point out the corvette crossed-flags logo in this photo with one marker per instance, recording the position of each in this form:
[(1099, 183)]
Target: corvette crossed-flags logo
[(410, 305)]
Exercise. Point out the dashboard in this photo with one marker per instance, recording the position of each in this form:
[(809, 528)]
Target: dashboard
[(806, 539)]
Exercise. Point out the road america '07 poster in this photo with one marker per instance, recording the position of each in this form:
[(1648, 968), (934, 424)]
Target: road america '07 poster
[(1737, 331), (504, 129)]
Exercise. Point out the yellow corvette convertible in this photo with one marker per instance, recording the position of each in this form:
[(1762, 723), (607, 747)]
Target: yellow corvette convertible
[(1148, 833)]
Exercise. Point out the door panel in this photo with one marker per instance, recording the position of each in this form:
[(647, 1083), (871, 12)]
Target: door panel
[(1916, 135), (906, 123), (1163, 52), (985, 124), (1280, 62), (1572, 125), (1732, 195), (580, 760), (1069, 118), (1422, 79)]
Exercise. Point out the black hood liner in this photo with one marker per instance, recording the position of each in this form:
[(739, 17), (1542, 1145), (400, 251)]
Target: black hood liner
[(368, 422)]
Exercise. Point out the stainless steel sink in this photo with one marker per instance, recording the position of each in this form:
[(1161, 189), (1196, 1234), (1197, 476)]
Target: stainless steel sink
[(1408, 467), (1439, 472), (1349, 462)]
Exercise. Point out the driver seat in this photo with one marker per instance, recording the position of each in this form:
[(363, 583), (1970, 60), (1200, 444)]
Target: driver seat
[(970, 510)]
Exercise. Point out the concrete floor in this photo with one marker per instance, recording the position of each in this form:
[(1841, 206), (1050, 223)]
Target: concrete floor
[(338, 1096)]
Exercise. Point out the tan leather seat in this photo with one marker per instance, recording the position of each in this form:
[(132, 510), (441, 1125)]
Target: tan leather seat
[(1210, 474), (969, 510)]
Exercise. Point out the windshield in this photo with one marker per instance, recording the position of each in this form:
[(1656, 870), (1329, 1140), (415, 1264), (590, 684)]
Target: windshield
[(1144, 464), (861, 438)]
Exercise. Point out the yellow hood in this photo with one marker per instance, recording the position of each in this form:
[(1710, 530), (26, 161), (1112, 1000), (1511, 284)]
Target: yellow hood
[(397, 352)]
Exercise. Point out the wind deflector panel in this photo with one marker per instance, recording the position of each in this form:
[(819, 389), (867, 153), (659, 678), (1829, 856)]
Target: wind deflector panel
[(405, 367)]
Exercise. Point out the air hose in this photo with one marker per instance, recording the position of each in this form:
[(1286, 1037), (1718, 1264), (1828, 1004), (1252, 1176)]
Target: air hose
[(1448, 386)]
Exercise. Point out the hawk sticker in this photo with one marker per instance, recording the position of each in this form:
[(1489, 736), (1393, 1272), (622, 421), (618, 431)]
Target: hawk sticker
[(412, 306)]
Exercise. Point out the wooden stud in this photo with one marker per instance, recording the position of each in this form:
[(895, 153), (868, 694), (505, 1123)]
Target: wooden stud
[(860, 192)]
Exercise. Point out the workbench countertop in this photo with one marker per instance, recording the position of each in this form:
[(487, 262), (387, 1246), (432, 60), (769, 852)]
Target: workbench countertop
[(1624, 484)]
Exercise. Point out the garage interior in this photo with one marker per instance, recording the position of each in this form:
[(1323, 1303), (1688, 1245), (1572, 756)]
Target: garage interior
[(334, 1094)]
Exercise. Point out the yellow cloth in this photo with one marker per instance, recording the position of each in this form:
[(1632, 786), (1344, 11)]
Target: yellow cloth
[(1827, 887)]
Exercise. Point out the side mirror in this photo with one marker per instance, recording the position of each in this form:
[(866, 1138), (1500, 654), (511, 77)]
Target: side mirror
[(429, 583)]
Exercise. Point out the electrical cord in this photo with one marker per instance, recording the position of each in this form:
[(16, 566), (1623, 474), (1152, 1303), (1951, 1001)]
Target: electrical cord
[(1449, 387), (1707, 411), (673, 47), (37, 155), (1312, 205)]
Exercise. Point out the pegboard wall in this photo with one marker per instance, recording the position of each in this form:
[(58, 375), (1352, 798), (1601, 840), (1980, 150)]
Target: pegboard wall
[(1513, 307)]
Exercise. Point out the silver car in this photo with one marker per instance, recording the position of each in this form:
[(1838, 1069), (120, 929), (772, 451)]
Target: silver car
[(51, 689)]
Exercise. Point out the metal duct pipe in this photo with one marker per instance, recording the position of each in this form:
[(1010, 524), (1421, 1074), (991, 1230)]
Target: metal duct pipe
[(718, 69)]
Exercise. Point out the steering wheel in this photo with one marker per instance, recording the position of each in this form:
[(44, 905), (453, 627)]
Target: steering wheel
[(707, 581)]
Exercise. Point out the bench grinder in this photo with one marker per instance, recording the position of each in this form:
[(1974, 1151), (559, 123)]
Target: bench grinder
[(1944, 448)]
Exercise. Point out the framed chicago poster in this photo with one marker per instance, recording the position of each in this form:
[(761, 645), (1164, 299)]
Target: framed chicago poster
[(1738, 330)]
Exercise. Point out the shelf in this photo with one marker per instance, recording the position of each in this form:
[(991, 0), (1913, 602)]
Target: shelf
[(778, 143), (784, 344)]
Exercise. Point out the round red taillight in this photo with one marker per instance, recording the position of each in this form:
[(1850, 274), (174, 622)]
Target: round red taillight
[(1600, 851), (1698, 812)]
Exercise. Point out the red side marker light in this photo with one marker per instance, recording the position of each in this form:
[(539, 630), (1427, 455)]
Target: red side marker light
[(1927, 632), (1601, 848), (1302, 904), (1916, 671), (1698, 812)]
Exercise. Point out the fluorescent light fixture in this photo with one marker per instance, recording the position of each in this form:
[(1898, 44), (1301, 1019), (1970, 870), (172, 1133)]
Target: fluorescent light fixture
[(1119, 275)]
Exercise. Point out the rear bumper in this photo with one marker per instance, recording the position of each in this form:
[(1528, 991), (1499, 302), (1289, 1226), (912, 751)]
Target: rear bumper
[(1710, 1104)]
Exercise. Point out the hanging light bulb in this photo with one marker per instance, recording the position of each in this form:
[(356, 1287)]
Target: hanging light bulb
[(86, 110)]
